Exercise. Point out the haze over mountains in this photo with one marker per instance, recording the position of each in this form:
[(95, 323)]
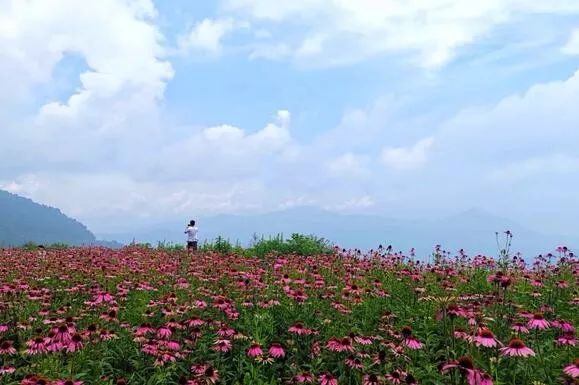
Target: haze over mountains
[(22, 221), (473, 230)]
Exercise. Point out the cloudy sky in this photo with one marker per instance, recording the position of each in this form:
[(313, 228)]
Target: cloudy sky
[(124, 112)]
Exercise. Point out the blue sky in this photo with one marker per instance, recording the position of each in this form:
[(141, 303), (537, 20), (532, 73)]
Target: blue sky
[(128, 112)]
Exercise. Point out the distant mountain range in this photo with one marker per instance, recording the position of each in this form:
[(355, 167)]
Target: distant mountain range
[(473, 231), (24, 221)]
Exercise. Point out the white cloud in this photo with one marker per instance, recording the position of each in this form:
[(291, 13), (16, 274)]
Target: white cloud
[(116, 103), (208, 34), (336, 32), (226, 151), (407, 158), (111, 201), (537, 167), (572, 46), (363, 202), (349, 165)]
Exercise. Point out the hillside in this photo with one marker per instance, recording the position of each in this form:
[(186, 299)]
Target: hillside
[(22, 221)]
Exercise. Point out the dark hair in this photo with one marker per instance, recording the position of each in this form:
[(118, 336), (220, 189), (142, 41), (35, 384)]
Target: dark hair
[(192, 223)]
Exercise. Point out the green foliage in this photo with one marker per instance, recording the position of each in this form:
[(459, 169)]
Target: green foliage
[(297, 244), (168, 246), (222, 246)]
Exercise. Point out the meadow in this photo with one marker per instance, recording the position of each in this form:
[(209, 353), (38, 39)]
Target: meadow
[(143, 315)]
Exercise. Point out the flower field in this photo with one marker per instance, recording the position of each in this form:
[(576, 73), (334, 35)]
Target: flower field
[(153, 316)]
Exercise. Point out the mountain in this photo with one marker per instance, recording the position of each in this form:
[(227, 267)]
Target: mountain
[(473, 230), (22, 221)]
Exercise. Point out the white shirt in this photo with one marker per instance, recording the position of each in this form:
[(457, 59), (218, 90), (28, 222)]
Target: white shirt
[(192, 233)]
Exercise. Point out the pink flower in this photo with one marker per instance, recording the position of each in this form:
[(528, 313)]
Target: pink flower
[(328, 378), (6, 348), (538, 322), (395, 377), (7, 370), (211, 375), (340, 345), (371, 379), (519, 327), (485, 338), (303, 378), (572, 370), (299, 329), (222, 346), (566, 339), (164, 332), (68, 382), (254, 351), (74, 344), (144, 329), (36, 345), (517, 348), (354, 362), (276, 350), (409, 340)]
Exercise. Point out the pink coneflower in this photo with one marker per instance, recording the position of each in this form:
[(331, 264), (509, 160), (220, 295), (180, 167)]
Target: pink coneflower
[(353, 362), (340, 345), (454, 310), (164, 332), (485, 338), (74, 344), (7, 370), (30, 379), (225, 331), (173, 345), (562, 284), (222, 346), (517, 348), (7, 349), (362, 340), (299, 329), (567, 339), (63, 334), (572, 370), (328, 378), (410, 380), (371, 379), (195, 321), (303, 378), (36, 345), (315, 350), (461, 334), (519, 327), (395, 377), (196, 333), (68, 382), (276, 350), (254, 351), (144, 329), (538, 322), (409, 340), (567, 327), (466, 367), (3, 328), (211, 375)]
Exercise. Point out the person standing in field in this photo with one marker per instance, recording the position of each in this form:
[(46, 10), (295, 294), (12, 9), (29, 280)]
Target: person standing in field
[(192, 239)]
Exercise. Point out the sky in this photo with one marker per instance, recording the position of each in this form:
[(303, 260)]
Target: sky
[(131, 112)]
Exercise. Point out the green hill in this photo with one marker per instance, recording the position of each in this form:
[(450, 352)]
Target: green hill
[(23, 220)]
